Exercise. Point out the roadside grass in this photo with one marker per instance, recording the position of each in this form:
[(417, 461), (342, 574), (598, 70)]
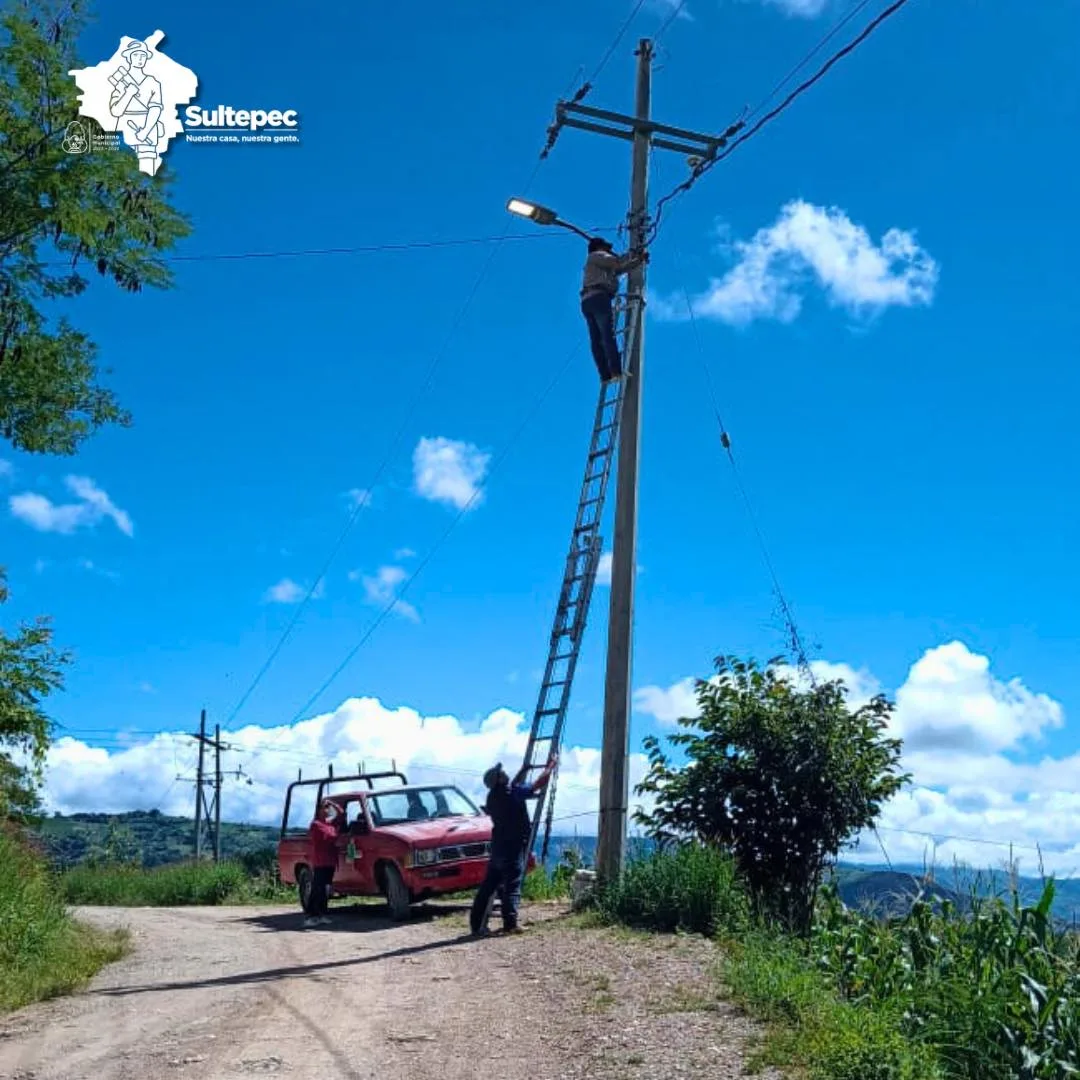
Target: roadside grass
[(991, 991), (179, 885), (43, 951)]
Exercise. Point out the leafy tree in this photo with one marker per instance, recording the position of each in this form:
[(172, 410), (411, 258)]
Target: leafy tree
[(782, 777), (30, 669), (90, 212)]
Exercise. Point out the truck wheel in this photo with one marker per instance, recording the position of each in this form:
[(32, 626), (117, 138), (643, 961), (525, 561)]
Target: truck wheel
[(304, 883), (397, 894)]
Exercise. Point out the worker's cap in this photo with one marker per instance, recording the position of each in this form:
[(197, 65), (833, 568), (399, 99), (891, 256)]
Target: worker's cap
[(136, 47), (494, 775), (598, 243)]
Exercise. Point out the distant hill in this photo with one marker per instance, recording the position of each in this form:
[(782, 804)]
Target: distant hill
[(158, 839), (152, 836)]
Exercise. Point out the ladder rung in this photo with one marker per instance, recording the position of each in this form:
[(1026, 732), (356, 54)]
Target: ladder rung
[(554, 682), (546, 712)]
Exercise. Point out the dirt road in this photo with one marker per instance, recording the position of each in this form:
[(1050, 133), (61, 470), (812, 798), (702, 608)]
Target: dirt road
[(232, 992)]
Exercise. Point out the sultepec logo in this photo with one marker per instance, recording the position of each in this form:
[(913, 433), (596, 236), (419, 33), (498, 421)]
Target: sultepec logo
[(135, 96), (136, 93)]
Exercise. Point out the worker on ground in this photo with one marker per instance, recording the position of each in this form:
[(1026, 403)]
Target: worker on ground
[(510, 836), (324, 831), (600, 283)]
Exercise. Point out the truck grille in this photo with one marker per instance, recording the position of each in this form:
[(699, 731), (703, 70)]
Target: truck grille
[(455, 852)]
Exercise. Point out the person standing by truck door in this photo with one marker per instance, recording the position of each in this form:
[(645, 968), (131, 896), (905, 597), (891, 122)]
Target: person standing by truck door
[(323, 832), (510, 834)]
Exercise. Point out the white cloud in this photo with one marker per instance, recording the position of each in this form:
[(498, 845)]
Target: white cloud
[(985, 797), (404, 553), (358, 497), (380, 589), (40, 565), (94, 506), (670, 705), (679, 8), (449, 472), (801, 9), (967, 741), (603, 569), (810, 243), (6, 469), (430, 749), (951, 702), (286, 591), (92, 568)]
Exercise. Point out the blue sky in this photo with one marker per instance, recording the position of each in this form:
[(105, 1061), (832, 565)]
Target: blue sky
[(905, 436)]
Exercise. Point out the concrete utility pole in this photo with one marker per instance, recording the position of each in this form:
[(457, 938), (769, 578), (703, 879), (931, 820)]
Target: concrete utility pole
[(217, 793), (208, 811), (199, 786), (644, 134), (614, 759)]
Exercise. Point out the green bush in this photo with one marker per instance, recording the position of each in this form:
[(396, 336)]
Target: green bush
[(179, 885), (692, 888), (43, 952)]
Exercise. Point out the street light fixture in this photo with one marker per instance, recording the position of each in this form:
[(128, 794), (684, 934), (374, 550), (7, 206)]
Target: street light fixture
[(541, 215)]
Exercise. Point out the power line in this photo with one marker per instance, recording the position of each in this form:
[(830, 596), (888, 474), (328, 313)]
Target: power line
[(361, 503), (586, 87), (794, 637), (704, 166), (676, 11), (616, 41), (427, 558), (822, 42), (361, 249)]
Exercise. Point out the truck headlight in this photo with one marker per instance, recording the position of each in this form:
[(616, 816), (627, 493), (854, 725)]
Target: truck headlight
[(423, 856)]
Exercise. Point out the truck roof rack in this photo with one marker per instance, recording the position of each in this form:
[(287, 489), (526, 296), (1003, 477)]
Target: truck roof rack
[(330, 778)]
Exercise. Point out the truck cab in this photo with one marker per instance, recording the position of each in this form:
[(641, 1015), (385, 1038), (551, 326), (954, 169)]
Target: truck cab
[(401, 841)]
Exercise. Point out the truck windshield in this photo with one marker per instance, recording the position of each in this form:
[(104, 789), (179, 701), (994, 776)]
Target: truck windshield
[(418, 804)]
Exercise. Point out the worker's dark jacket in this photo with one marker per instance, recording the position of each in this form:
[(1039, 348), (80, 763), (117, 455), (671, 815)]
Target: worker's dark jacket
[(511, 826)]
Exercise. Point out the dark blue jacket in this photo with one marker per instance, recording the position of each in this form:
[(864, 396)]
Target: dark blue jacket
[(511, 825)]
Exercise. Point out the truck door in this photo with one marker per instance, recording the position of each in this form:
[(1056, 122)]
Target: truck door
[(353, 872)]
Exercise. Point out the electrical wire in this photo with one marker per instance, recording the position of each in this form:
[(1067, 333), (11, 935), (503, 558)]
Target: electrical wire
[(409, 581), (583, 91), (822, 42), (795, 641), (731, 146), (361, 503), (383, 465), (362, 249), (676, 11), (620, 34)]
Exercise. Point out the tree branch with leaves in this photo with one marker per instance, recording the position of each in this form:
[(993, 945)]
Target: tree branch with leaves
[(31, 668), (63, 218)]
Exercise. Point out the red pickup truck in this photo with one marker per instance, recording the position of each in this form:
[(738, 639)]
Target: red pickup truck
[(403, 842)]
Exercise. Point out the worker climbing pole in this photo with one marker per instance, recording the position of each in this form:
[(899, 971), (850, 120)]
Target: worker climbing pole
[(579, 577)]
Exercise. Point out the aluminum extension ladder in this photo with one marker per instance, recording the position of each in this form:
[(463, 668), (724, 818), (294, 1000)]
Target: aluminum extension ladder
[(579, 576)]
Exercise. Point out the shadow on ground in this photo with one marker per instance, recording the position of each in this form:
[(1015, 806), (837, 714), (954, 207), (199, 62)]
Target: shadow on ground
[(272, 975), (356, 918)]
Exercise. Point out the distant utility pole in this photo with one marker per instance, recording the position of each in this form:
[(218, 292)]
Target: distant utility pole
[(644, 134), (208, 810)]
